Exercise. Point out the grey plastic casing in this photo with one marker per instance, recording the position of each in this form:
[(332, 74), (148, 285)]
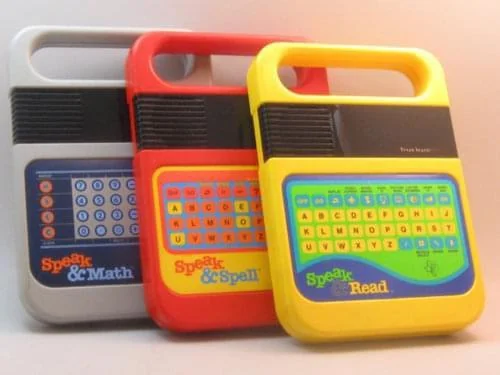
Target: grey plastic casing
[(73, 304)]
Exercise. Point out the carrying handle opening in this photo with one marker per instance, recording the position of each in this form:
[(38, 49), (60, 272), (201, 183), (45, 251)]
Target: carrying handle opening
[(142, 77), (33, 42), (420, 67)]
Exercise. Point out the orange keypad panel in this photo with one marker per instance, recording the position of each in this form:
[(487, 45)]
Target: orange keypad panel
[(217, 210)]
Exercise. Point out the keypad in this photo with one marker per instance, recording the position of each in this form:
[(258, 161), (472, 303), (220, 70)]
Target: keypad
[(381, 215), (222, 215), (104, 208)]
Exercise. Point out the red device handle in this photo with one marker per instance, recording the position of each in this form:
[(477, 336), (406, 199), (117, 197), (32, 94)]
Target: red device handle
[(141, 77)]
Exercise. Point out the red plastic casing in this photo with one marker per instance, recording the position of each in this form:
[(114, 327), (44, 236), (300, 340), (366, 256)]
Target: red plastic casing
[(197, 312)]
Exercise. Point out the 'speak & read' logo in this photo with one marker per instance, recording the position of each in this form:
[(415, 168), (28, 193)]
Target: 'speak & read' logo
[(213, 271), (80, 268), (343, 283)]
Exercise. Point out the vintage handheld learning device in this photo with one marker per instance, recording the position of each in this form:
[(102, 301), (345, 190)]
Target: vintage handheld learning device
[(365, 205), (77, 231), (204, 256)]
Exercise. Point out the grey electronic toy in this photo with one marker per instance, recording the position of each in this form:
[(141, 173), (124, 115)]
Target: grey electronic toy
[(76, 223)]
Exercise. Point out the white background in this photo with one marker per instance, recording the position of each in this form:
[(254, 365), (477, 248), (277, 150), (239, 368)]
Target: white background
[(463, 34)]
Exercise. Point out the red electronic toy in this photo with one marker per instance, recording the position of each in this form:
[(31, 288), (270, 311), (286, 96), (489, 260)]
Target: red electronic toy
[(203, 249)]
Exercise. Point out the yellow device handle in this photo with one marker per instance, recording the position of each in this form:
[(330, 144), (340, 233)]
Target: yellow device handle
[(421, 67)]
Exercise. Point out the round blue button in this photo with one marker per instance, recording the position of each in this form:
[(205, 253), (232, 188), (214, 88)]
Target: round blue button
[(100, 215), (131, 184), (97, 185), (383, 199), (398, 199), (117, 214), (367, 200), (83, 231), (101, 230), (115, 184), (131, 199), (116, 199), (132, 214), (81, 200), (80, 185), (98, 200), (118, 230), (134, 229), (82, 216)]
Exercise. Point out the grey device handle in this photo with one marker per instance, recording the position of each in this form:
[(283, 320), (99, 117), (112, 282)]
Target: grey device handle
[(31, 39)]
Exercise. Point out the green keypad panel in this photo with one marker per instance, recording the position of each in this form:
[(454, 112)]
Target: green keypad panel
[(401, 224)]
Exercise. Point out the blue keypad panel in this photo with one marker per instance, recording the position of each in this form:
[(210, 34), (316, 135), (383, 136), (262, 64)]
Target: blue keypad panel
[(103, 207), (83, 210), (84, 205)]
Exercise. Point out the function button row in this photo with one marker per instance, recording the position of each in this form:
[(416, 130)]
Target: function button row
[(371, 200), (209, 192)]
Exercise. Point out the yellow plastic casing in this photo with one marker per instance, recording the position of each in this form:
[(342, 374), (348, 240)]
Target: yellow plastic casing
[(312, 321)]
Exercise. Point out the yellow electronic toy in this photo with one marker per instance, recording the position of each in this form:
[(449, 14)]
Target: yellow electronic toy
[(365, 206)]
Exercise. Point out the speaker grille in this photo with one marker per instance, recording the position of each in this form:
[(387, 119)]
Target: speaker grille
[(166, 121), (46, 116), (298, 131)]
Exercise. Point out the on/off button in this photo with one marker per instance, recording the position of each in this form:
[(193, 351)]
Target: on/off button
[(48, 232), (45, 186), (46, 201), (47, 217)]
